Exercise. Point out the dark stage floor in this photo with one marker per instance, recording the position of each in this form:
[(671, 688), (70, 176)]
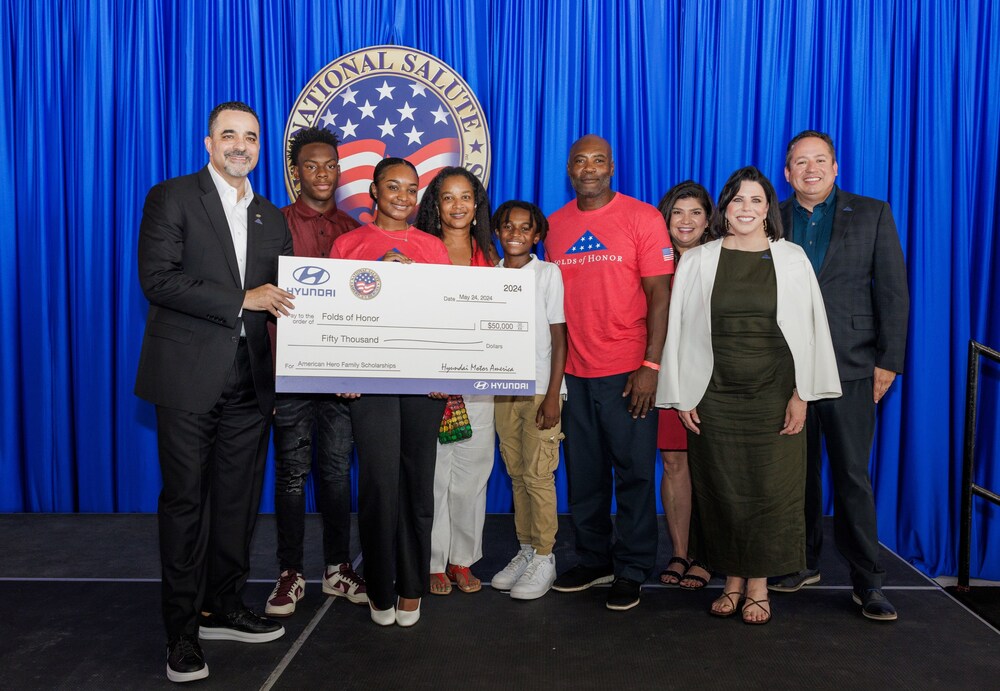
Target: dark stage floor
[(80, 600)]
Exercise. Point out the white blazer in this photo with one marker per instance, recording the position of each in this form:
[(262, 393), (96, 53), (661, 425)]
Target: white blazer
[(688, 361)]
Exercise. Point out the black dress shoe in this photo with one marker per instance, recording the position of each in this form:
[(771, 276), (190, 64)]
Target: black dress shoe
[(185, 661), (243, 625), (875, 605)]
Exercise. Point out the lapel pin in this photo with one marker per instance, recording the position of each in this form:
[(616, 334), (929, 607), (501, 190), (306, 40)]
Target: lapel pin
[(258, 221)]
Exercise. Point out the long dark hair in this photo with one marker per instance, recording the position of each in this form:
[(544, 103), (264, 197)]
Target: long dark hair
[(429, 216), (748, 174)]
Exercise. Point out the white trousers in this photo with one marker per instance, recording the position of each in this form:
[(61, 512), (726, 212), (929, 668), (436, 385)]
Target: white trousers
[(460, 476)]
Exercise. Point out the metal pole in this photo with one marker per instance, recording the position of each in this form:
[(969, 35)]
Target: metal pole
[(965, 530)]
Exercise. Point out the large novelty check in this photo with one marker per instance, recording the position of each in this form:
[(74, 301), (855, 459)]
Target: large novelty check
[(385, 327)]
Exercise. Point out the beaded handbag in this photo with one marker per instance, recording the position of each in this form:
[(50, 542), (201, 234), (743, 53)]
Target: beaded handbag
[(455, 425)]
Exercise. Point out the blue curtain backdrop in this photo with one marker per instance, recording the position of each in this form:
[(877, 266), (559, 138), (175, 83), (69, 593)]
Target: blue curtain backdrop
[(104, 99)]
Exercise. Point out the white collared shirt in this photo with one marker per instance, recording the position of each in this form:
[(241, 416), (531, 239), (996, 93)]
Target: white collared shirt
[(236, 216)]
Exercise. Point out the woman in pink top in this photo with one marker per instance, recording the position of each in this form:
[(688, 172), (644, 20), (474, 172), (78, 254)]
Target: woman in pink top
[(395, 435)]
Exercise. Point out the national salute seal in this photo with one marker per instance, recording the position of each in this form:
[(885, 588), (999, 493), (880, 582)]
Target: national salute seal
[(365, 284), (391, 101)]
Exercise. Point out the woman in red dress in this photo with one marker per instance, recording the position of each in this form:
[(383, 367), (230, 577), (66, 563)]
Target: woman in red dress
[(687, 208)]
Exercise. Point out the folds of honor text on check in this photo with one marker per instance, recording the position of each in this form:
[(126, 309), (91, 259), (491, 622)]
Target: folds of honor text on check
[(385, 327)]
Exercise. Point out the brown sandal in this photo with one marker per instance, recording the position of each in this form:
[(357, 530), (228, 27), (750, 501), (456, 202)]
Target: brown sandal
[(750, 602), (440, 585), (734, 603), (463, 579)]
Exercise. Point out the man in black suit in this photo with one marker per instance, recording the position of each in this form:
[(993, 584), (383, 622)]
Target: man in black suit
[(855, 251), (208, 259)]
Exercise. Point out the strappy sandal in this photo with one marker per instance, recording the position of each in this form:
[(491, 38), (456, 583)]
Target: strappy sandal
[(672, 577), (463, 579), (440, 585), (700, 580), (750, 602), (734, 603)]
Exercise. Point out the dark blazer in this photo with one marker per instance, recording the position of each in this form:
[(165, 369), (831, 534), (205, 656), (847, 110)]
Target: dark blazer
[(863, 281), (189, 274)]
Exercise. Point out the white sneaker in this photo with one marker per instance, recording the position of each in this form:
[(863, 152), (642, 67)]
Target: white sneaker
[(289, 589), (537, 578), (508, 576)]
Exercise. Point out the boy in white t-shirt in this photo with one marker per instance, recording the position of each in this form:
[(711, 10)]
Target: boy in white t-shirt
[(529, 426)]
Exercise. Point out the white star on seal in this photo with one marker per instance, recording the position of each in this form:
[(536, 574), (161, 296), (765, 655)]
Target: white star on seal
[(418, 89), (349, 96), (328, 120), (413, 137), (367, 110), (440, 115), (348, 129), (388, 129), (406, 113), (385, 91)]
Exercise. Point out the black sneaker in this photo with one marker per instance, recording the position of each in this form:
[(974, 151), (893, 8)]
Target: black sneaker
[(243, 625), (793, 582), (624, 594), (185, 661), (581, 577)]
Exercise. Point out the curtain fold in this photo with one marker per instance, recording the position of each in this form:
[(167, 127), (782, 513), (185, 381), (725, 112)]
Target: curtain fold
[(105, 99)]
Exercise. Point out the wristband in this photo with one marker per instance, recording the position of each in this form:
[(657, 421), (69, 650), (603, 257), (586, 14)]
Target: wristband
[(651, 365)]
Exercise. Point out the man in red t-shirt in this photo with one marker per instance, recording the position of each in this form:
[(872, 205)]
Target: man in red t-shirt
[(615, 256), (299, 419)]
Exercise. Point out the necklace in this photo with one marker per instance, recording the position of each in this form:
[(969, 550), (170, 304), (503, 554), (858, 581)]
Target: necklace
[(394, 234)]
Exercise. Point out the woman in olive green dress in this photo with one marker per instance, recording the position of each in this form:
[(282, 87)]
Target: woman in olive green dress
[(740, 373)]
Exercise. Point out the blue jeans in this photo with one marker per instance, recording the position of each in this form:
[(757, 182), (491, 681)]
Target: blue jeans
[(298, 421)]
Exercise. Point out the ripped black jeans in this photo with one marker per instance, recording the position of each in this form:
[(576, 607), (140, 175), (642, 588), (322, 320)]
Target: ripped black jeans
[(303, 423)]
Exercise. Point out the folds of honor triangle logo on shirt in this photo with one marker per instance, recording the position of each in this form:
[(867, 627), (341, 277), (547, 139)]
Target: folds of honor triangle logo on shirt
[(588, 242), (387, 101)]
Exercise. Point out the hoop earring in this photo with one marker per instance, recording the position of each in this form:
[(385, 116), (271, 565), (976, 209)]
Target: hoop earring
[(765, 227), (727, 226)]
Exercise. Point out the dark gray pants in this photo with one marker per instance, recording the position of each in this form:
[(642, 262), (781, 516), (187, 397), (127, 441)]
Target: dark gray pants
[(847, 424)]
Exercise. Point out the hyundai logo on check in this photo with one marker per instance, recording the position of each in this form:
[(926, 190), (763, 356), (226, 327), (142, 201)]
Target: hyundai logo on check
[(311, 275), (481, 385)]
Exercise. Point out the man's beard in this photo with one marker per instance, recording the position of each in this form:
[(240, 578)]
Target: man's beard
[(237, 170)]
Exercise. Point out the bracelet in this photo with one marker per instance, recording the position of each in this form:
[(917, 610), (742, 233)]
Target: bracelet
[(651, 365)]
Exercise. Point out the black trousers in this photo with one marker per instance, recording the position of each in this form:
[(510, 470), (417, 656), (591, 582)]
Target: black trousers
[(213, 469), (396, 439), (601, 436), (847, 424)]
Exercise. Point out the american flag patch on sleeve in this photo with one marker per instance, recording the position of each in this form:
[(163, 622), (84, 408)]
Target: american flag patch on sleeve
[(668, 254)]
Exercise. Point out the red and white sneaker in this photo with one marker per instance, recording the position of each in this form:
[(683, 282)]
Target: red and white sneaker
[(340, 580), (289, 589)]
